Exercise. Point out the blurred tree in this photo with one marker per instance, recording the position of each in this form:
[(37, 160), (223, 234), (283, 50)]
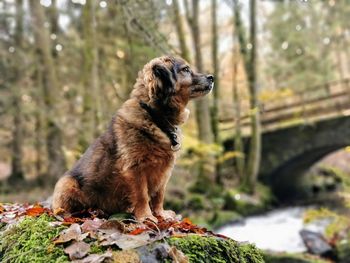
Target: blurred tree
[(202, 106), (216, 91), (56, 159), (248, 53), (180, 31), (254, 153), (91, 97), (238, 141), (17, 132)]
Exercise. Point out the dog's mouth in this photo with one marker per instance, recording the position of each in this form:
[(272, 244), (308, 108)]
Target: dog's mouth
[(199, 91)]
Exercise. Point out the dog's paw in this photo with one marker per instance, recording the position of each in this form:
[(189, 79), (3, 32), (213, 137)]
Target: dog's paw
[(147, 218), (166, 214)]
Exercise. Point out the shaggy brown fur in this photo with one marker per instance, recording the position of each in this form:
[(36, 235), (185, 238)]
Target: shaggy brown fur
[(127, 168)]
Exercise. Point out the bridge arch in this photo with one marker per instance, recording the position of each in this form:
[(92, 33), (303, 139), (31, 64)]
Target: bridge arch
[(289, 153), (284, 181)]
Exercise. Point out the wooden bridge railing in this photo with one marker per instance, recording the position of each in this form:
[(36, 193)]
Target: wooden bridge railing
[(322, 101)]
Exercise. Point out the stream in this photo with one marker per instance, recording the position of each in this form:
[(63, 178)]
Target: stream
[(276, 231)]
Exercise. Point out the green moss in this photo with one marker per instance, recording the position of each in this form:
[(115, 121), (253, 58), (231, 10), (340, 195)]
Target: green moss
[(217, 250), (31, 241), (292, 258)]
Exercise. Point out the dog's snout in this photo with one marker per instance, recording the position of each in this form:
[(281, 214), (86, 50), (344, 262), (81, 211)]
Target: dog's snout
[(210, 78)]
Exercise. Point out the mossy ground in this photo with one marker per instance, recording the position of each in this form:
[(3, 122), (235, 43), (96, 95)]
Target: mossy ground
[(31, 240), (216, 250), (292, 258)]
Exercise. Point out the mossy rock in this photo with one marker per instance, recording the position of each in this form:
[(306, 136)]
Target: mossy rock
[(31, 240), (292, 258), (343, 251), (217, 250)]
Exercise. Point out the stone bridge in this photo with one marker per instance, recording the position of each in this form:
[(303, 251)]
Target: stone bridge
[(288, 153), (321, 117)]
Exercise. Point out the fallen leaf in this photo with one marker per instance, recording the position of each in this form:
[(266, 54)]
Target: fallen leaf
[(91, 225), (72, 220), (71, 233), (113, 225), (35, 211), (124, 241), (137, 231), (77, 250), (59, 211), (186, 220), (95, 258), (177, 255)]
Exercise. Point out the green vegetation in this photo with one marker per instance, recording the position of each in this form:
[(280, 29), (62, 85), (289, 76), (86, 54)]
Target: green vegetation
[(292, 258), (216, 250), (30, 240)]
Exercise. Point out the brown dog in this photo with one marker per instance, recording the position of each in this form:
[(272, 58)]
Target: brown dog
[(127, 168)]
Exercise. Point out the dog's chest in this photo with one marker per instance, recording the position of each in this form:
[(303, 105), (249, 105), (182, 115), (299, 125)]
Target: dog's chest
[(159, 176)]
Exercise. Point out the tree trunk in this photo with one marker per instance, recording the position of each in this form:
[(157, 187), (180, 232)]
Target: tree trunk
[(91, 104), (39, 144), (254, 154), (17, 133), (215, 107), (202, 110), (56, 160), (202, 104), (238, 142), (214, 116), (180, 31), (53, 15)]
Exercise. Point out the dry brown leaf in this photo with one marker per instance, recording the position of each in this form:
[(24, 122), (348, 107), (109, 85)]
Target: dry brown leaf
[(124, 241), (112, 225), (77, 250), (71, 233), (177, 255), (92, 225), (95, 258)]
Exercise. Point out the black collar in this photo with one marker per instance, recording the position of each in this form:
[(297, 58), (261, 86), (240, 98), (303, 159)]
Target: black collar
[(163, 124)]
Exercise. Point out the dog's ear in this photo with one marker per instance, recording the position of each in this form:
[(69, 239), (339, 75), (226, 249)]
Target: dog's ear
[(164, 86)]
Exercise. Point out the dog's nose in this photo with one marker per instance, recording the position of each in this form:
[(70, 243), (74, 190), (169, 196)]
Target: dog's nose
[(210, 77)]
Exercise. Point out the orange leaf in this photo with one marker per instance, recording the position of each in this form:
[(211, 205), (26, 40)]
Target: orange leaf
[(186, 220), (35, 211), (137, 231)]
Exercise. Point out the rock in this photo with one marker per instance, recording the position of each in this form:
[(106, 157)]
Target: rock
[(31, 239), (316, 244)]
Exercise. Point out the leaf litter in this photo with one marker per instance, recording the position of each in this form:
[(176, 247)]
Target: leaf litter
[(89, 227)]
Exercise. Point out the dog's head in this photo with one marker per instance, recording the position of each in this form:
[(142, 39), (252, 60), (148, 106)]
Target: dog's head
[(170, 80)]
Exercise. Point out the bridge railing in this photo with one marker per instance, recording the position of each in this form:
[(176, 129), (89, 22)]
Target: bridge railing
[(322, 101)]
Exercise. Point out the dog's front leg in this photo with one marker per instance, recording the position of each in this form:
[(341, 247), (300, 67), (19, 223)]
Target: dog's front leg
[(157, 203), (140, 199)]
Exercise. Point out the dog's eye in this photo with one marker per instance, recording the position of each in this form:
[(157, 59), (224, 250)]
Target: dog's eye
[(186, 69)]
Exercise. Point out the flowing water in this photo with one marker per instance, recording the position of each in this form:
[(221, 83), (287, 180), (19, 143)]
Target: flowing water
[(277, 230)]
